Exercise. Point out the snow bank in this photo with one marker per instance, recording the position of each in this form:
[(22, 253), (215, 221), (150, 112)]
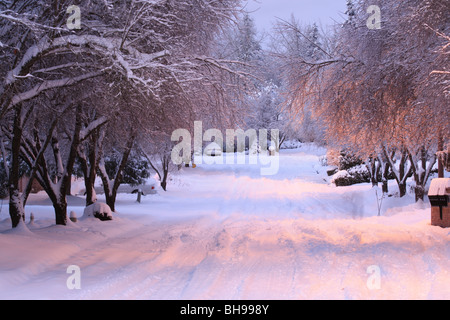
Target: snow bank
[(21, 229)]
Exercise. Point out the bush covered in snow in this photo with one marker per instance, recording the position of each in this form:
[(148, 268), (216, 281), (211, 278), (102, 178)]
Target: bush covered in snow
[(346, 168), (291, 144), (347, 160), (98, 210), (354, 175), (343, 159)]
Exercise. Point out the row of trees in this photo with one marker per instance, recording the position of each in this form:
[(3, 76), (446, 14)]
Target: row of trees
[(133, 72), (381, 93)]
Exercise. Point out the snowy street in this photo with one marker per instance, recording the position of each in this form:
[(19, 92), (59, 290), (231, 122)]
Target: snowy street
[(224, 150), (225, 232)]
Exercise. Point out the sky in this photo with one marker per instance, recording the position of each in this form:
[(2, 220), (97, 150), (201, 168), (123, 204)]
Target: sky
[(322, 12)]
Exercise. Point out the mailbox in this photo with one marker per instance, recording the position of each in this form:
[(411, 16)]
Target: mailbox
[(439, 195), (439, 201)]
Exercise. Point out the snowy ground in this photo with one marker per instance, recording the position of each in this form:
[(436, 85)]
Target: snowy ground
[(225, 232)]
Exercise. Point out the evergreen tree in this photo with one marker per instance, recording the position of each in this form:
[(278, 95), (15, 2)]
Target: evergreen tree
[(312, 43), (248, 47)]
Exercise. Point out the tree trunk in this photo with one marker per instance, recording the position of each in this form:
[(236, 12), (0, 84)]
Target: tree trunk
[(440, 149), (111, 201), (421, 178), (164, 184), (419, 193), (385, 177), (89, 170), (403, 172), (373, 169), (384, 170), (61, 210), (89, 186), (402, 189), (385, 186), (111, 190), (421, 171), (16, 209), (89, 192), (69, 186), (165, 164), (4, 155)]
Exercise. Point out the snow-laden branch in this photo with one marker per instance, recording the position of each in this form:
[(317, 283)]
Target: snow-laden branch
[(50, 84), (221, 64), (17, 19), (440, 72), (106, 47), (62, 67), (94, 125)]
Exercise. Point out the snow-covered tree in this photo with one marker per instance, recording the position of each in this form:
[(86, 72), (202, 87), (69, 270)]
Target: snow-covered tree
[(154, 48), (296, 46), (373, 91)]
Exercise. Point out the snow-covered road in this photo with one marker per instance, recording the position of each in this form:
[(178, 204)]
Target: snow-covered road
[(224, 232)]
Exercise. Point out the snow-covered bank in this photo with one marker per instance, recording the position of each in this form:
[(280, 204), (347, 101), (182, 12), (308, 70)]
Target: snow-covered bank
[(224, 232)]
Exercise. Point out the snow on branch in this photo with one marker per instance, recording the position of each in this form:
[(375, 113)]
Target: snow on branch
[(443, 49), (18, 19), (62, 67), (50, 84), (106, 47), (440, 72), (85, 133), (221, 64)]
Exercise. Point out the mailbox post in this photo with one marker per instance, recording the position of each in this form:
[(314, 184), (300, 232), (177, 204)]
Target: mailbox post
[(139, 193), (439, 196)]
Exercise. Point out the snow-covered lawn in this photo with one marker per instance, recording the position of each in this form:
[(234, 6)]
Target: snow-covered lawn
[(225, 232)]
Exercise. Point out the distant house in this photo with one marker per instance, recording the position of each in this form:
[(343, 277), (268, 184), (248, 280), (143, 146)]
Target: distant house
[(35, 187)]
